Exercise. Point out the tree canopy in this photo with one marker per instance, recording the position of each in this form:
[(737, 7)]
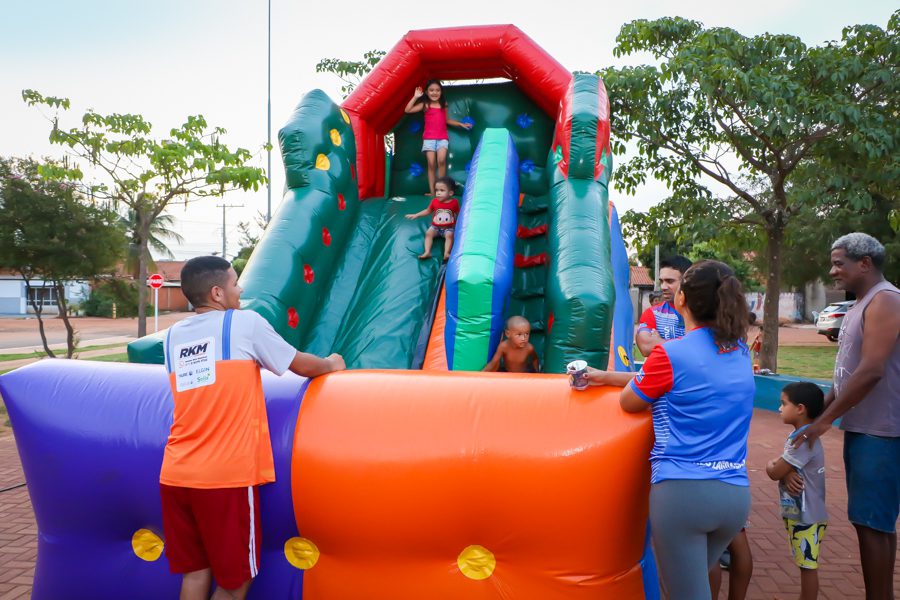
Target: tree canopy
[(50, 232), (350, 72), (145, 173), (788, 131)]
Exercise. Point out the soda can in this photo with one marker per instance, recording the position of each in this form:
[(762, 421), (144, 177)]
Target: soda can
[(577, 371)]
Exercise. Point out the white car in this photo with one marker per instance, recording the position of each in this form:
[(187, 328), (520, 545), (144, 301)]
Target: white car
[(828, 323)]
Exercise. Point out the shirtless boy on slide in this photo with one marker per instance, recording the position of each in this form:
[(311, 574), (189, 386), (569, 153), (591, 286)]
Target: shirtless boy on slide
[(515, 354)]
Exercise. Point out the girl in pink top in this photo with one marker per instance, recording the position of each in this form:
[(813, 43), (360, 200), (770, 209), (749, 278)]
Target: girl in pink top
[(435, 141)]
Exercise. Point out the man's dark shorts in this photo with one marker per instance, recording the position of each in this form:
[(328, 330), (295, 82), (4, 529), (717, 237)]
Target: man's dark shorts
[(873, 480)]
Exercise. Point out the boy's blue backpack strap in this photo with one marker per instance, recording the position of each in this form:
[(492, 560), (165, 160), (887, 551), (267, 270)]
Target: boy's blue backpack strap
[(226, 335), (169, 350)]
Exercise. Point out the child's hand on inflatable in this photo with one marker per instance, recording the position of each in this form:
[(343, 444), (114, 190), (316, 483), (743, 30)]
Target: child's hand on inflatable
[(412, 216), (467, 126), (337, 362), (418, 93)]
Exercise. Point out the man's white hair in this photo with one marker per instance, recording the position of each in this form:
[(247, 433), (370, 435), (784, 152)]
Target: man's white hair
[(856, 245)]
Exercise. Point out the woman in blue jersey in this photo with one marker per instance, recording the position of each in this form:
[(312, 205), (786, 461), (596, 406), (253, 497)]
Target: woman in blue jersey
[(700, 389)]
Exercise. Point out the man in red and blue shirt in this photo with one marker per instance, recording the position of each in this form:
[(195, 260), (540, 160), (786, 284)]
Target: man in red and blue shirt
[(662, 322)]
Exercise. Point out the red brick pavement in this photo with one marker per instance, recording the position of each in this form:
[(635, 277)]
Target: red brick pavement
[(18, 532), (774, 574)]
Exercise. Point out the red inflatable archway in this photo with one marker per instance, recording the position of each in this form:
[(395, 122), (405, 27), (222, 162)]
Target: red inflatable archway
[(452, 54)]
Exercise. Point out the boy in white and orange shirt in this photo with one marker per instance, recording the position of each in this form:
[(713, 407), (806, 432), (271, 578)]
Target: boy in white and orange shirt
[(219, 450)]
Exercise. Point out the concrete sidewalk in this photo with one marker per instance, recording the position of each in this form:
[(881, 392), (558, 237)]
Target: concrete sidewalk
[(774, 576)]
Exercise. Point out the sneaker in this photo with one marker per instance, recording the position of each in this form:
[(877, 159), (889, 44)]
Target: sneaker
[(725, 560)]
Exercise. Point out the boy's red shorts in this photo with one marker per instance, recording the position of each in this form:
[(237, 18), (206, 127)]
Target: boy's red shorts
[(217, 529)]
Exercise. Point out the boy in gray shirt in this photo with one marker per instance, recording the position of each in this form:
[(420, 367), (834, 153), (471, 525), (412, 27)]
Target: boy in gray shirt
[(804, 514)]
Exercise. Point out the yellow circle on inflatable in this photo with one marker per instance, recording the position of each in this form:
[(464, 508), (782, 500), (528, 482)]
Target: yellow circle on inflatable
[(322, 162), (301, 553), (345, 115), (623, 356), (147, 545), (335, 137), (476, 562)]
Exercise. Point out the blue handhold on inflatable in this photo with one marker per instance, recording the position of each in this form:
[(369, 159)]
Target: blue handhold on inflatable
[(468, 166), (527, 166), (415, 126), (416, 170), (468, 121), (524, 121)]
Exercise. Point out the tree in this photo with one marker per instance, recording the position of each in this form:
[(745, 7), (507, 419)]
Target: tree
[(50, 232), (351, 72), (677, 226), (146, 174), (750, 113), (160, 231)]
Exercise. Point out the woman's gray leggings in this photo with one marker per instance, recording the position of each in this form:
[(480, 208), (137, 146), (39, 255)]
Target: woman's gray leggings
[(693, 521)]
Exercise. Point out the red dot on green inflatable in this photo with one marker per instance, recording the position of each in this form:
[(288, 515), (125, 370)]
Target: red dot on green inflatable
[(550, 323), (342, 204), (293, 318), (352, 172), (326, 236), (308, 274)]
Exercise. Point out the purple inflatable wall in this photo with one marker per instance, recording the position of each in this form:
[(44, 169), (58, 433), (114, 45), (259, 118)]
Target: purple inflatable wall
[(91, 438)]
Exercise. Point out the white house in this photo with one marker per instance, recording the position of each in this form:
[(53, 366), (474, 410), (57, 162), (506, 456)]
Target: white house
[(14, 301)]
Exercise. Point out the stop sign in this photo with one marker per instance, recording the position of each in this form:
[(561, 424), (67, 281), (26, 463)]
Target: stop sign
[(155, 281)]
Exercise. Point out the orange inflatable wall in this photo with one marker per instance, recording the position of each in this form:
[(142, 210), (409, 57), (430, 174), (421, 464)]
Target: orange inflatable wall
[(436, 352), (440, 485)]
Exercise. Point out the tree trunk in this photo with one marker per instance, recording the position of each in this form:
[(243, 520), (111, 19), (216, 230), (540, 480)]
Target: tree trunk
[(768, 356), (144, 237), (64, 315), (38, 311)]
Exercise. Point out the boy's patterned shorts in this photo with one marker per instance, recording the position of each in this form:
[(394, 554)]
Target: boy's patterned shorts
[(805, 539)]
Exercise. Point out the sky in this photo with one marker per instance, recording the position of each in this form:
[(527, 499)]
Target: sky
[(168, 59)]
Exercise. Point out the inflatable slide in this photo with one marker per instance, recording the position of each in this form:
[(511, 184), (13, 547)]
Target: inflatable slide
[(412, 475)]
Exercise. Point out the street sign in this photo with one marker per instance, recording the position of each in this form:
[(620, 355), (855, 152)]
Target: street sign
[(156, 281)]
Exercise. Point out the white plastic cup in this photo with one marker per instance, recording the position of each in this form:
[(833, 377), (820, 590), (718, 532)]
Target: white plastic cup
[(577, 371)]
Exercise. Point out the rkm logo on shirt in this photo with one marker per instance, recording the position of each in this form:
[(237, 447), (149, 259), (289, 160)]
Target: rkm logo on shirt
[(194, 350)]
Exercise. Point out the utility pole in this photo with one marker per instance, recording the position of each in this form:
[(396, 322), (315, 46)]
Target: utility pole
[(223, 207), (656, 268), (269, 126)]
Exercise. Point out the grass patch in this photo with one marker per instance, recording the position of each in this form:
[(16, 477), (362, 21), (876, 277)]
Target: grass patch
[(42, 354), (815, 362), (110, 358)]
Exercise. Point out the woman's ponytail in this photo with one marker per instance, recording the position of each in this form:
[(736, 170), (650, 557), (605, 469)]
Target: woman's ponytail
[(732, 316)]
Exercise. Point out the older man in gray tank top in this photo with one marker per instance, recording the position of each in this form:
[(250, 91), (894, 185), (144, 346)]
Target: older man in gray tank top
[(866, 393)]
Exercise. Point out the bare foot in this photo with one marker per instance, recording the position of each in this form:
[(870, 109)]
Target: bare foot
[(429, 194), (424, 256), (446, 257)]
